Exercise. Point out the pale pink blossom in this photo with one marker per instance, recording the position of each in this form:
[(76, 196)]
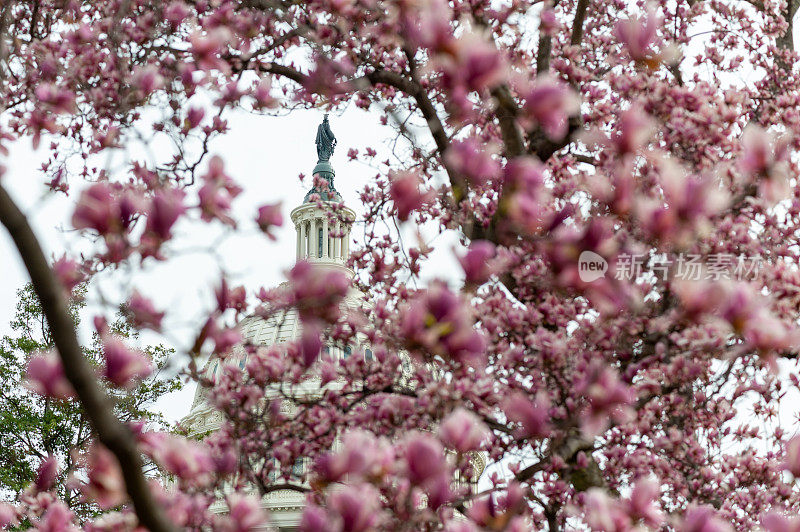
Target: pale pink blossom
[(246, 513), (45, 376), (551, 103), (123, 366), (269, 217), (463, 431), (105, 486)]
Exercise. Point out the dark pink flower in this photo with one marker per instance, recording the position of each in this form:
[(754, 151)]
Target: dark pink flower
[(227, 297), (424, 457), (551, 102), (463, 431), (217, 193), (207, 48), (405, 192), (533, 417), (122, 364), (262, 94), (164, 210), (471, 158), (45, 376), (437, 322), (97, 209), (476, 261), (46, 474), (316, 292), (269, 217), (57, 99), (775, 521), (356, 507), (143, 313)]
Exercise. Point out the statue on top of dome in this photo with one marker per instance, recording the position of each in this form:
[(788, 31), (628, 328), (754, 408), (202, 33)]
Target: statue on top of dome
[(326, 141)]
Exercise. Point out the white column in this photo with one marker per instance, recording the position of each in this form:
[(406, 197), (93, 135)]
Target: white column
[(325, 238), (337, 242), (313, 240), (303, 239), (299, 229)]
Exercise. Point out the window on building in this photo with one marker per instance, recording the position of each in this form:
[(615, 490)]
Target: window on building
[(368, 354), (347, 352), (320, 243)]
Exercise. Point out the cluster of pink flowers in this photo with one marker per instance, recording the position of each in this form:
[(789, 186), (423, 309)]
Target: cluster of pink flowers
[(539, 136)]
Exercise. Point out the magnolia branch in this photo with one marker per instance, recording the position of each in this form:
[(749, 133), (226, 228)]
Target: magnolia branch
[(98, 407)]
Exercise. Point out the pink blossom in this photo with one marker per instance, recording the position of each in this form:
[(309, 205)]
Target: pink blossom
[(206, 49), (234, 298), (475, 261), (188, 460), (314, 519), (97, 209), (175, 13), (163, 211), (45, 376), (262, 94), (269, 217), (470, 158), (58, 99), (777, 522), (355, 508), (122, 364), (217, 193), (147, 79), (405, 192), (471, 62), (224, 338), (361, 454), (703, 519), (424, 458), (316, 292), (608, 397), (531, 416), (551, 102), (644, 503), (57, 518), (437, 321), (245, 512), (463, 431), (766, 157), (105, 486), (8, 515), (194, 116), (792, 460), (143, 313), (638, 35), (46, 474), (68, 272)]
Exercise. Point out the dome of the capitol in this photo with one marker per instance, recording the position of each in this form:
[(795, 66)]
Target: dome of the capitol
[(324, 241)]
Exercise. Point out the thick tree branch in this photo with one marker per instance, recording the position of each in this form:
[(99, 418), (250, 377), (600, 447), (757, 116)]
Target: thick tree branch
[(98, 406), (577, 25)]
